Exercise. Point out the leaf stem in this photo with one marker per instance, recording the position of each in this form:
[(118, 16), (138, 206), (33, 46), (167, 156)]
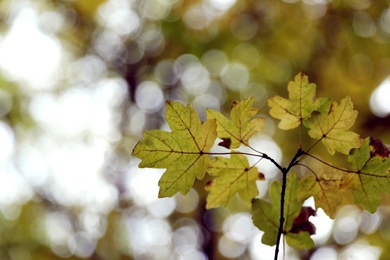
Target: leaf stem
[(284, 171), (330, 165), (243, 153)]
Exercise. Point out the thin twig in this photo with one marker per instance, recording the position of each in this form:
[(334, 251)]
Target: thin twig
[(284, 171)]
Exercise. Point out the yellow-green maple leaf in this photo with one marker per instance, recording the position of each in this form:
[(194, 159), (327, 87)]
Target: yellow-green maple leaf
[(242, 125), (332, 127), (298, 106), (234, 176), (182, 152), (325, 187), (266, 215), (372, 177)]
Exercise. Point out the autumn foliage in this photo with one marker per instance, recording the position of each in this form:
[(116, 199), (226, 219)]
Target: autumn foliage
[(185, 153)]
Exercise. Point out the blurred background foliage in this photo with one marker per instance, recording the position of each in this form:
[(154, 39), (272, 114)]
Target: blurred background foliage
[(82, 79)]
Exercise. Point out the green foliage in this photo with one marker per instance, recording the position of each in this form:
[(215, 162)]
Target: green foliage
[(266, 214), (370, 177), (185, 153)]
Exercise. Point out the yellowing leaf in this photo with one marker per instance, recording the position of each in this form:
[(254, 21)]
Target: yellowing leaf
[(372, 177), (325, 187), (181, 152), (242, 125), (266, 215), (331, 127), (298, 106), (234, 176)]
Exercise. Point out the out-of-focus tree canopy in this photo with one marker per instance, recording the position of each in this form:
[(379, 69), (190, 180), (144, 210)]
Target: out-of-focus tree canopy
[(81, 80)]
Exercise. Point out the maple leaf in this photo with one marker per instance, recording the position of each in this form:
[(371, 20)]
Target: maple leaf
[(372, 177), (298, 106), (182, 152), (234, 176), (325, 187), (242, 125), (266, 214), (331, 127)]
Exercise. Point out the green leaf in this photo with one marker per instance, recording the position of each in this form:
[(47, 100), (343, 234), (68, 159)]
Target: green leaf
[(234, 176), (331, 127), (242, 125), (325, 187), (298, 106), (266, 215), (181, 152), (372, 177), (300, 240)]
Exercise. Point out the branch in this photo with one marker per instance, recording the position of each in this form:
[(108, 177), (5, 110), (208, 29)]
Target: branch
[(265, 156), (284, 171)]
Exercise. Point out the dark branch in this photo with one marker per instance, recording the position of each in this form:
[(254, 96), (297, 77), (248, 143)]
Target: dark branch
[(284, 171)]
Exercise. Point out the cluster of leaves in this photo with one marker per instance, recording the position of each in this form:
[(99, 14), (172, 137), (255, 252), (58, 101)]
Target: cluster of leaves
[(185, 153)]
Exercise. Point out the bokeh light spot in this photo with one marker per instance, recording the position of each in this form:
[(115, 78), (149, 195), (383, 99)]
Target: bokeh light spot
[(195, 79), (137, 120), (325, 253), (384, 21), (324, 226), (269, 146), (5, 102), (370, 222), (145, 232), (346, 225), (153, 40), (28, 55), (361, 66), (363, 24), (315, 9), (7, 141), (124, 21), (222, 4), (135, 52), (149, 96), (235, 76), (155, 9), (379, 100), (203, 102), (108, 44), (360, 250), (230, 248), (359, 4), (239, 227), (187, 239), (187, 203), (243, 27), (215, 61), (247, 54), (196, 18), (138, 185), (165, 73), (161, 208)]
